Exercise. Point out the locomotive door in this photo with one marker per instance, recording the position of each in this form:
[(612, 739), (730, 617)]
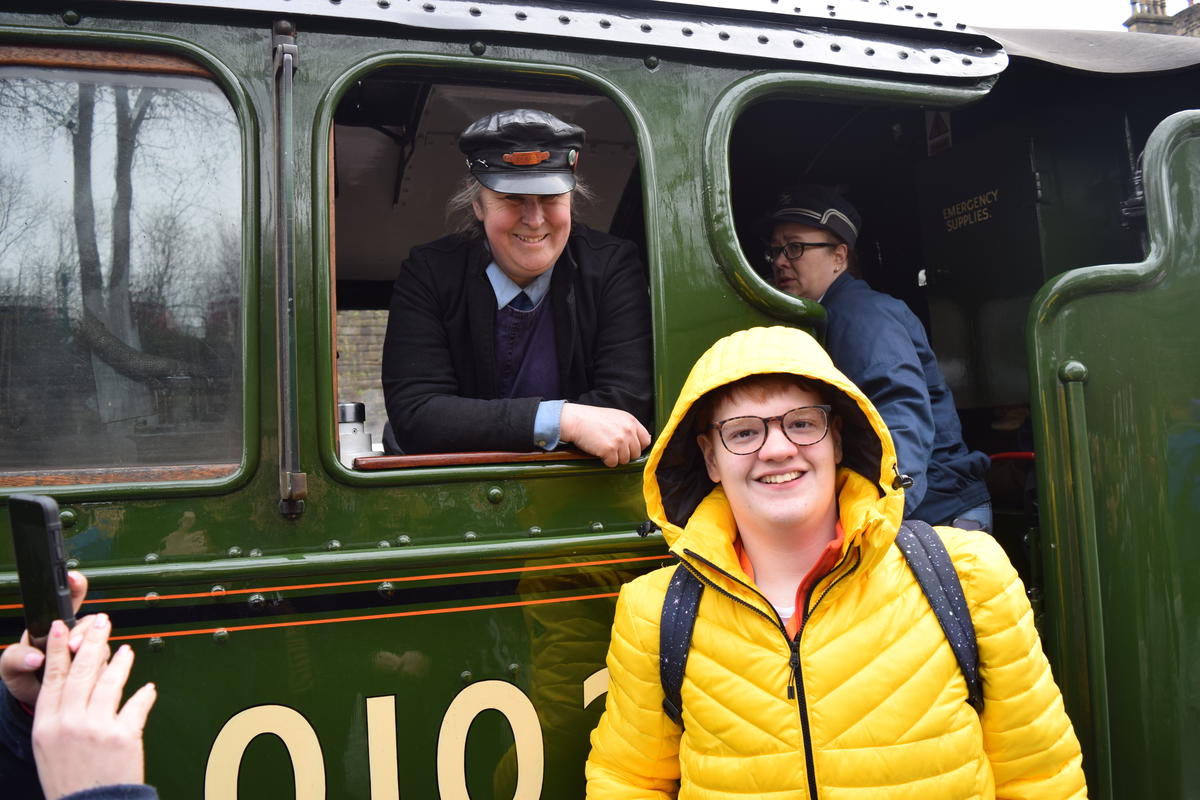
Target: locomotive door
[(1116, 404)]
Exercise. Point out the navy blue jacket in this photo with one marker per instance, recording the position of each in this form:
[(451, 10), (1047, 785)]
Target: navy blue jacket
[(880, 344), (18, 773)]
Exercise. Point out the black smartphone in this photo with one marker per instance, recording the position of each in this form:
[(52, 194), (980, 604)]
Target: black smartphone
[(41, 564)]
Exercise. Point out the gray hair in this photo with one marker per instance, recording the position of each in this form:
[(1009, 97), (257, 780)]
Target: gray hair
[(460, 211)]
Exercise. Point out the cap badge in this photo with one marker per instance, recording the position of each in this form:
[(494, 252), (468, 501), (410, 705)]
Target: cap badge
[(572, 158), (527, 158)]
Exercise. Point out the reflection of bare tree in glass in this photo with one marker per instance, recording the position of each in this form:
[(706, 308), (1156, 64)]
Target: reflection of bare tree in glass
[(15, 211), (15, 216), (107, 319), (138, 312), (167, 243)]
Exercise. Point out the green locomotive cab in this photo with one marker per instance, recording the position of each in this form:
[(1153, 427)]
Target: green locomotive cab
[(204, 205)]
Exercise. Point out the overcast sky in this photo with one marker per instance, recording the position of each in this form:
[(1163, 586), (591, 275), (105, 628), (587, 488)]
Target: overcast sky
[(1101, 15)]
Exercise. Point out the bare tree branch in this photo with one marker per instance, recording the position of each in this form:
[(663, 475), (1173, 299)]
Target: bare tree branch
[(131, 362)]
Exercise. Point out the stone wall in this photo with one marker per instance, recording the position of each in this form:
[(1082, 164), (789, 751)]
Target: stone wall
[(360, 352), (1187, 21)]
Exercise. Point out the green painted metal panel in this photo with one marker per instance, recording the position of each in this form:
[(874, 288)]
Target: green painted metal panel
[(321, 635), (1118, 428), (502, 578)]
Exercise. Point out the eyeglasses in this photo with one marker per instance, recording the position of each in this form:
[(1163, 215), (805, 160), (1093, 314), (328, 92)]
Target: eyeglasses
[(793, 250), (802, 426)]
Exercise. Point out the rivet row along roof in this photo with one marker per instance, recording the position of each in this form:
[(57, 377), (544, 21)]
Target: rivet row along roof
[(856, 35)]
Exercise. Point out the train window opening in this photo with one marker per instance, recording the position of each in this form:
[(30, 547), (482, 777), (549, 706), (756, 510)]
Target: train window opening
[(867, 152), (967, 213), (945, 209), (120, 270), (396, 164)]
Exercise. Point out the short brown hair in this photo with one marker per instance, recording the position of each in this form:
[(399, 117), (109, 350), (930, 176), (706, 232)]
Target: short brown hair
[(759, 387)]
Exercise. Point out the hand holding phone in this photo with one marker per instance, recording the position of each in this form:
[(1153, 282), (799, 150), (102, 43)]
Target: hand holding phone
[(41, 564), (21, 663), (37, 542)]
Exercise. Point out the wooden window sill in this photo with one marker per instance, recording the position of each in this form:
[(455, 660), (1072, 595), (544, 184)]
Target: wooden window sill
[(372, 463)]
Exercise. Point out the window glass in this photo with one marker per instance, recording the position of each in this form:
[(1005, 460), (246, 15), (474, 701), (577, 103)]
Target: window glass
[(120, 273)]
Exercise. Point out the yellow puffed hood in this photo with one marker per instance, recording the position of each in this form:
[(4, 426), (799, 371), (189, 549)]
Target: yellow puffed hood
[(675, 481)]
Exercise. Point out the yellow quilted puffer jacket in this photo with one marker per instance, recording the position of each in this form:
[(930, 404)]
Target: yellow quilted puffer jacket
[(876, 706)]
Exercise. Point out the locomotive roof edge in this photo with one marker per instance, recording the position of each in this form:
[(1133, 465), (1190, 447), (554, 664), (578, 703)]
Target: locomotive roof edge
[(861, 35), (1106, 52)]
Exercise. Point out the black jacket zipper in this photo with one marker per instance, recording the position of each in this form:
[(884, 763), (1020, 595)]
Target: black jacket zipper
[(793, 644), (801, 700)]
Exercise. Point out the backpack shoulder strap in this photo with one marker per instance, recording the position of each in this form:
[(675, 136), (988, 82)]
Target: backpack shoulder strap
[(675, 637), (929, 561)]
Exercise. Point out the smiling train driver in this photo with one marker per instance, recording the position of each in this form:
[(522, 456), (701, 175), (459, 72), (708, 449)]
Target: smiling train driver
[(524, 329)]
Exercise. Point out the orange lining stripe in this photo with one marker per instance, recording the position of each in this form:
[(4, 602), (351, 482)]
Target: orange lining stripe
[(392, 615), (410, 579)]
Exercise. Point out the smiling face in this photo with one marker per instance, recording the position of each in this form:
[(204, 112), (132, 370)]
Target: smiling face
[(784, 489), (527, 232), (811, 274)]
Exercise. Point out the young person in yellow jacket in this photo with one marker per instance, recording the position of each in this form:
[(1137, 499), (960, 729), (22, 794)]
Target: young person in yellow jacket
[(773, 482)]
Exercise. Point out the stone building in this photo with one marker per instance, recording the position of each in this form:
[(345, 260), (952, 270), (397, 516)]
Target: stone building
[(1150, 16)]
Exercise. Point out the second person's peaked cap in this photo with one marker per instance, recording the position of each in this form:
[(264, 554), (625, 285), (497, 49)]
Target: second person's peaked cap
[(818, 207)]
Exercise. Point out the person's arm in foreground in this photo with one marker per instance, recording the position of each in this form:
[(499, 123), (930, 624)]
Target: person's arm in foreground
[(1026, 733), (59, 741), (20, 661), (19, 687), (83, 738), (635, 748)]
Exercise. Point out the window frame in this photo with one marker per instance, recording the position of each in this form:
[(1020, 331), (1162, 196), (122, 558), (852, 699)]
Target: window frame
[(443, 467), (718, 220), (152, 55)]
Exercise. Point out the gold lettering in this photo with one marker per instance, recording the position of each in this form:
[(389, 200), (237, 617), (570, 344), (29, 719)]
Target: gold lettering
[(970, 210), (595, 685), (225, 757), (381, 748), (527, 733)]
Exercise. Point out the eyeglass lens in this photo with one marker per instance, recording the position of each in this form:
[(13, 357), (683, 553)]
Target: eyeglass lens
[(793, 250), (802, 426)]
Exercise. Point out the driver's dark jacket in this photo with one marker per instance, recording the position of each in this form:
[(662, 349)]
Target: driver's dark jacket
[(439, 366)]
